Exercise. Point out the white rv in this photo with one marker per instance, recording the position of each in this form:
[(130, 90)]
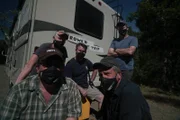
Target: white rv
[(87, 21)]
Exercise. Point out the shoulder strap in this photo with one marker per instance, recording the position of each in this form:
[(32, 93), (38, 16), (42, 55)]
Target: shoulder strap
[(87, 67)]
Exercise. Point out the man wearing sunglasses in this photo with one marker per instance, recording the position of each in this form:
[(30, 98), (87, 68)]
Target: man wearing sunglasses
[(59, 40), (47, 95)]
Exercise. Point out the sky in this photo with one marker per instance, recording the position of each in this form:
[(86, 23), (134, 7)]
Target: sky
[(128, 7)]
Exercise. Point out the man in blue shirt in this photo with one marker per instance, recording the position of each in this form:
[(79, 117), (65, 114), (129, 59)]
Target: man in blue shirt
[(123, 50)]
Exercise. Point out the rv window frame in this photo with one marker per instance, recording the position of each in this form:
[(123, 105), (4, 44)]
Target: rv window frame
[(76, 26)]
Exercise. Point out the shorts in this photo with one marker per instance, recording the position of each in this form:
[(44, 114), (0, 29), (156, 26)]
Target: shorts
[(93, 93)]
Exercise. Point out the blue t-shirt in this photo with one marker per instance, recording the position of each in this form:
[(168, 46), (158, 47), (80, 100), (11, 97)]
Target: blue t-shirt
[(78, 71), (126, 62)]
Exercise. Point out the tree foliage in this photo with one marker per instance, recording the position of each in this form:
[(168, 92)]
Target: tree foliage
[(158, 56)]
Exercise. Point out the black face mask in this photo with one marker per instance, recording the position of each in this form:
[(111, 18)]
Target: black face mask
[(58, 44), (108, 84), (123, 32), (80, 55), (51, 75)]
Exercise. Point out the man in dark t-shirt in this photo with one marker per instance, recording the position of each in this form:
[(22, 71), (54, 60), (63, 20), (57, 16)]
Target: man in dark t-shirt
[(78, 70), (59, 40), (42, 49), (46, 46), (123, 99)]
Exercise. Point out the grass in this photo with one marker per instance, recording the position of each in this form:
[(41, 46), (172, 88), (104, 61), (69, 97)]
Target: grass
[(163, 105)]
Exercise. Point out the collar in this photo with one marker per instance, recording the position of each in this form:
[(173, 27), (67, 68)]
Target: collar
[(122, 84)]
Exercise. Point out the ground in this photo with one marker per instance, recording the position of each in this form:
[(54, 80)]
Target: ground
[(162, 107)]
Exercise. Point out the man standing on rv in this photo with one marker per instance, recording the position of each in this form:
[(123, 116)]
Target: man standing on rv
[(59, 40), (78, 69), (123, 50)]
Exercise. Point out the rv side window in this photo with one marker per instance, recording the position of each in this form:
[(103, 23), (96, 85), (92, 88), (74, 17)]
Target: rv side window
[(89, 19)]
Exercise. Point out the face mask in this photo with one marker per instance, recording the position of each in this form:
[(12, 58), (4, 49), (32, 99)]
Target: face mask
[(50, 75), (58, 44), (123, 32), (109, 84), (80, 54)]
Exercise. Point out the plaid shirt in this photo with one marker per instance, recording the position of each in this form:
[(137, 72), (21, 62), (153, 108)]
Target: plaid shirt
[(26, 102)]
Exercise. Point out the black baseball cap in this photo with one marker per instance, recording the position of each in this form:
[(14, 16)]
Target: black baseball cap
[(121, 23), (51, 57), (106, 62), (50, 52)]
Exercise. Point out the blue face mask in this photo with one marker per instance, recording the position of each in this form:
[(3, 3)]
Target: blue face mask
[(109, 84)]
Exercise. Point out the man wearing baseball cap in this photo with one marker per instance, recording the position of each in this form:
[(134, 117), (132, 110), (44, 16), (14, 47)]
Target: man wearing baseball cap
[(59, 40), (123, 99), (123, 49), (47, 95)]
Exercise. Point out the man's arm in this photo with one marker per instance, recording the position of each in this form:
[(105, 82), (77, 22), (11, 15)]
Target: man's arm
[(68, 70), (126, 51), (111, 52), (27, 69), (93, 76)]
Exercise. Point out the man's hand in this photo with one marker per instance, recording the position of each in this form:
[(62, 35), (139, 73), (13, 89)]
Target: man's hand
[(112, 52), (82, 91), (58, 34)]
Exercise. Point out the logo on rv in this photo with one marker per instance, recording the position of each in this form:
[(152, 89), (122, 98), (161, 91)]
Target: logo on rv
[(90, 44)]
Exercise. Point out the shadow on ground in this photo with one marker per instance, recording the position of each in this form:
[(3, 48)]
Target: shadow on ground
[(163, 99)]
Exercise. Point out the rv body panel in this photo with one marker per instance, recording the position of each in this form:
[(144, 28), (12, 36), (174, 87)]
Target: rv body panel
[(17, 53), (45, 17)]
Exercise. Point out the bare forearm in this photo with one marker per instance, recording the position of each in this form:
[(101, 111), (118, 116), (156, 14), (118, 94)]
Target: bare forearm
[(24, 73), (79, 87), (112, 53), (124, 51), (93, 76), (27, 69)]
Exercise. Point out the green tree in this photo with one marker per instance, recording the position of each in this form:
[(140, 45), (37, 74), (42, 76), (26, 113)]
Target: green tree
[(159, 53), (6, 21)]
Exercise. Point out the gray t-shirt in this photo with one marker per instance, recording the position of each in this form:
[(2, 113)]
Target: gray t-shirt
[(42, 49), (126, 62)]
